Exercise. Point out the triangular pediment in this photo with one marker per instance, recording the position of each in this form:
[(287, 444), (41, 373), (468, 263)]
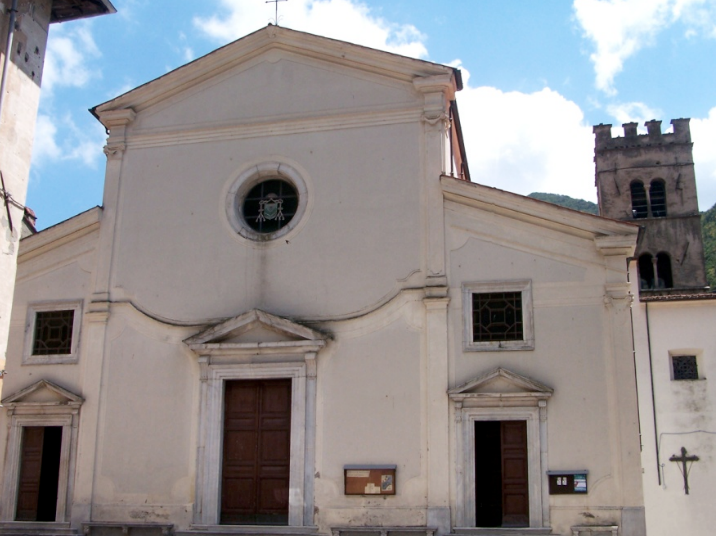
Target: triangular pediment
[(43, 393), (272, 44), (255, 327), (499, 382)]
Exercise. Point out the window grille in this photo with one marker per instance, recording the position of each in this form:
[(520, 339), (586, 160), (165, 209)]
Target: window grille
[(685, 367), (639, 205), (657, 196), (270, 205), (497, 316), (53, 332)]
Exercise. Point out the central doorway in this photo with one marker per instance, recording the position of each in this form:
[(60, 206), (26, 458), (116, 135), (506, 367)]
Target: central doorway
[(501, 477), (256, 455)]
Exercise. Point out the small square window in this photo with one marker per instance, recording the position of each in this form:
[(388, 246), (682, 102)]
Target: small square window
[(684, 367), (498, 316), (52, 333)]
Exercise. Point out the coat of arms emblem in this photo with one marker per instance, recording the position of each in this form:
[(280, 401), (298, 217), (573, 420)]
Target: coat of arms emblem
[(270, 208)]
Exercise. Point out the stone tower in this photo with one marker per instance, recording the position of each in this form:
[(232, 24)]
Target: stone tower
[(649, 179)]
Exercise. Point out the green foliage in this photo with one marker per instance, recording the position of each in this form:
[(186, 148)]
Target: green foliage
[(566, 201), (708, 231)]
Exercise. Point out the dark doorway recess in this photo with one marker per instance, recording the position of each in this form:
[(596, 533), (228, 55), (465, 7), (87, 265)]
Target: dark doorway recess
[(39, 473), (501, 485), (256, 456)]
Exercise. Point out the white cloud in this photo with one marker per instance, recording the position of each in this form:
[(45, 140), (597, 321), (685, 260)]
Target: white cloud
[(67, 62), (45, 146), (348, 20), (703, 134), (620, 28), (633, 112), (82, 145), (527, 142)]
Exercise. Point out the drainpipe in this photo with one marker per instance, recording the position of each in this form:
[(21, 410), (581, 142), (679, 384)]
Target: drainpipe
[(653, 396), (8, 52)]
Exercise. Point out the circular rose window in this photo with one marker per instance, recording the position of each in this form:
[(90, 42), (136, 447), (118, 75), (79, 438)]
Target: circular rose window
[(266, 202), (270, 205)]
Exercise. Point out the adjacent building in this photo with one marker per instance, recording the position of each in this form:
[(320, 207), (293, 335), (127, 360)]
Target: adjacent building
[(649, 179)]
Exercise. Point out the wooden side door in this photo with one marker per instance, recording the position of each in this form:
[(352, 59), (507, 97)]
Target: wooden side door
[(256, 459), (515, 490), (28, 494)]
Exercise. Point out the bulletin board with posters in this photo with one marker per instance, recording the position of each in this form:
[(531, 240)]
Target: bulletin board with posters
[(369, 479)]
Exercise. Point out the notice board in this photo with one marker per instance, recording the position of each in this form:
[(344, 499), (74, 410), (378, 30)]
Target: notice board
[(369, 479)]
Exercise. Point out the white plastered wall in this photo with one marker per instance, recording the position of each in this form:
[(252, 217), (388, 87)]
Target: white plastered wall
[(684, 414)]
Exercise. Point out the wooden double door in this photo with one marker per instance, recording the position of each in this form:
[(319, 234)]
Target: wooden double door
[(256, 454), (501, 478)]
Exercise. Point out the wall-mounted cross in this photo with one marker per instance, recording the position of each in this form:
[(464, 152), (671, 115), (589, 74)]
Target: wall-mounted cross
[(275, 2), (683, 459)]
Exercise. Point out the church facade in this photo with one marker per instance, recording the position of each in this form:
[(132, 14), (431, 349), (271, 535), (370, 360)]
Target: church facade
[(296, 314)]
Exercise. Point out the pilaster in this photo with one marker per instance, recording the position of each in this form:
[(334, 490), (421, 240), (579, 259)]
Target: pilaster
[(437, 93), (436, 372), (97, 319)]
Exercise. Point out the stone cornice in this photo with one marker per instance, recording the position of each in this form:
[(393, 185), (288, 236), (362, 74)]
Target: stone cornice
[(212, 133)]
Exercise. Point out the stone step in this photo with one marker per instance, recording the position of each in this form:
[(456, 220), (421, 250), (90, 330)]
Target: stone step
[(247, 530), (501, 531), (32, 528)]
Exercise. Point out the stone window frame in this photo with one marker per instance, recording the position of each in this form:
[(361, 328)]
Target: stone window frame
[(245, 181), (478, 287), (28, 358), (27, 414)]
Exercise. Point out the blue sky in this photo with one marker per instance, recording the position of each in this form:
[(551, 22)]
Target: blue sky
[(539, 74)]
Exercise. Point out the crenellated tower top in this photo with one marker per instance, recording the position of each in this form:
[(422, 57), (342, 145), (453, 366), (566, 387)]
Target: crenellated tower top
[(649, 179), (654, 136)]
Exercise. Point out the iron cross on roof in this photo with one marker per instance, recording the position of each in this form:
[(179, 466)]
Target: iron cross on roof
[(275, 2), (684, 468)]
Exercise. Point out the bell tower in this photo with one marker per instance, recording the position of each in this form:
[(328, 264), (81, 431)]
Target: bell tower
[(649, 179)]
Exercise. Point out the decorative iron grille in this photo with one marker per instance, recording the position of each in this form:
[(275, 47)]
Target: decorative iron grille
[(657, 196), (270, 205), (639, 204), (497, 316), (685, 367), (53, 332)]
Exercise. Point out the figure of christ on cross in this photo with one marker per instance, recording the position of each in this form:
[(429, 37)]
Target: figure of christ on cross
[(683, 459), (275, 2)]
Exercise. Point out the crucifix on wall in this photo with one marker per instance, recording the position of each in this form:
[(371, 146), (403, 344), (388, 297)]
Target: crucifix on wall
[(275, 2), (683, 460)]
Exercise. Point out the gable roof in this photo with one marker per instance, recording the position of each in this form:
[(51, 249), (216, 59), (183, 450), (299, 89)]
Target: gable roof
[(276, 37), (537, 211)]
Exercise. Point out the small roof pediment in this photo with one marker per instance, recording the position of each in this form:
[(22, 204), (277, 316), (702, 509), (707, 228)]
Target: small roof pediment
[(253, 328), (501, 382), (43, 393)]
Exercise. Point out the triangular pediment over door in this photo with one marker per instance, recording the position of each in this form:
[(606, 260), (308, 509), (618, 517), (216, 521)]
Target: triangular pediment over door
[(256, 332), (42, 393), (501, 386)]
